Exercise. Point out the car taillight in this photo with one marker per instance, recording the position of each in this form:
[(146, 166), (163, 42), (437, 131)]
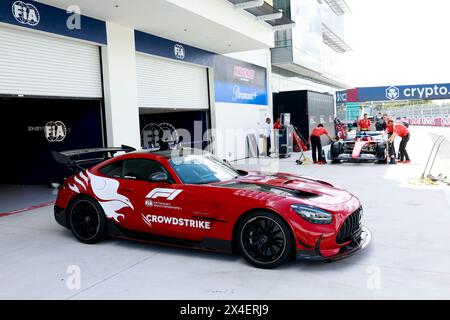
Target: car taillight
[(64, 185)]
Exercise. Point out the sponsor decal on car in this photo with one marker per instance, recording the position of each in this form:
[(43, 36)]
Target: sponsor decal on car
[(181, 222), (106, 191), (164, 205), (169, 194)]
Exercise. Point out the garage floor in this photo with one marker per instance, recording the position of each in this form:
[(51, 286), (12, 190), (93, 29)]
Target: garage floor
[(409, 257), (19, 197)]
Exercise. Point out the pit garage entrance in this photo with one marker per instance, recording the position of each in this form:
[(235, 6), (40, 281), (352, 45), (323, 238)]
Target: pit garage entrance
[(174, 101), (51, 98), (37, 126)]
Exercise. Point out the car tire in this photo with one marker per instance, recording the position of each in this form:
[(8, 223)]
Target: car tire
[(87, 220), (335, 151), (265, 240), (381, 153)]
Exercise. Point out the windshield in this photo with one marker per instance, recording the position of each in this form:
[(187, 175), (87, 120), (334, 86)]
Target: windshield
[(202, 169)]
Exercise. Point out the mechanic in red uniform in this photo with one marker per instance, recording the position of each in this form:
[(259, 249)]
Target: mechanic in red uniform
[(277, 125), (316, 144), (401, 131), (364, 124), (391, 145)]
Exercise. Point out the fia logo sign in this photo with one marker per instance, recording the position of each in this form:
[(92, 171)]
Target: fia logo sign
[(179, 51), (26, 13), (392, 93), (169, 194), (55, 131)]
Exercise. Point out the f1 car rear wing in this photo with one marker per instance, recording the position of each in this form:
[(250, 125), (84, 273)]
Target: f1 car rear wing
[(76, 160)]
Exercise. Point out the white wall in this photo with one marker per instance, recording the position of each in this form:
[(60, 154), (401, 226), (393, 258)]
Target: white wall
[(234, 121), (121, 100)]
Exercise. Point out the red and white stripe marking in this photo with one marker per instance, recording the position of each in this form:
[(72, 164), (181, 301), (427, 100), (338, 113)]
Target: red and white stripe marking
[(39, 206)]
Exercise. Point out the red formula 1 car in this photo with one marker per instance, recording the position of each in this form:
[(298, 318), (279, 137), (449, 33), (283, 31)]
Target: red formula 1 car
[(189, 198), (363, 147)]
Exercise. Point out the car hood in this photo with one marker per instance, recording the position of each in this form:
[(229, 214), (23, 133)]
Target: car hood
[(308, 190)]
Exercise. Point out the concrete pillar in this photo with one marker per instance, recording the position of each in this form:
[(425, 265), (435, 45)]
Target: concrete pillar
[(119, 77)]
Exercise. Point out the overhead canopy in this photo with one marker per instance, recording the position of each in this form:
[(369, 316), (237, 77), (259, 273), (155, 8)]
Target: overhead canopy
[(333, 40), (340, 7), (265, 12)]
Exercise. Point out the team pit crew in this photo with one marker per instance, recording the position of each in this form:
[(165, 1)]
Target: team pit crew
[(316, 143), (401, 131), (364, 124), (391, 145)]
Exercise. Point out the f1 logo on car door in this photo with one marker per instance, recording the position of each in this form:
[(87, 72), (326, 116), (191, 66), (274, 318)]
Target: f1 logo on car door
[(169, 194)]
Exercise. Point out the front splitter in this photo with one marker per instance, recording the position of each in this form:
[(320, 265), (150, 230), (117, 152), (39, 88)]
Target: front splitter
[(347, 251)]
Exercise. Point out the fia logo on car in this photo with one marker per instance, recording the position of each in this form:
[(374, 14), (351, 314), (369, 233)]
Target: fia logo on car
[(392, 93), (55, 131), (169, 194), (179, 51), (26, 13)]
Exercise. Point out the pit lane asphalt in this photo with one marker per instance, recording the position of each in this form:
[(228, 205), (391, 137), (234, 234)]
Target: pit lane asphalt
[(409, 257)]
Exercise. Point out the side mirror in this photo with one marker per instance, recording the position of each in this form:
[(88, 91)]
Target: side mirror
[(159, 177)]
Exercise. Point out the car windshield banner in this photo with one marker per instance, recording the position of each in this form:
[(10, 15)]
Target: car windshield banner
[(395, 93), (239, 82)]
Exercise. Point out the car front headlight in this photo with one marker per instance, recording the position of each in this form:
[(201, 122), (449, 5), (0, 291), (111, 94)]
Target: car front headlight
[(312, 214)]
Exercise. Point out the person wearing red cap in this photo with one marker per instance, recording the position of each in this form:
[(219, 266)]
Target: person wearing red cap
[(316, 143), (400, 130), (365, 123)]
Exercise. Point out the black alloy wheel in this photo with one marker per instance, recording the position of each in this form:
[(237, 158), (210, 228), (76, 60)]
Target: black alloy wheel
[(265, 240), (87, 220)]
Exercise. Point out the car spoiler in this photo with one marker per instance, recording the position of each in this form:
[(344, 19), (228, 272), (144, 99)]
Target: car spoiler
[(76, 159)]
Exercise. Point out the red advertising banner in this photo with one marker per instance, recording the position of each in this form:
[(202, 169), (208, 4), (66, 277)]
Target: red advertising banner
[(429, 121)]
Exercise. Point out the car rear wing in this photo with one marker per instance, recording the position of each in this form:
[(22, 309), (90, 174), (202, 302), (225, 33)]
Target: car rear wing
[(77, 160)]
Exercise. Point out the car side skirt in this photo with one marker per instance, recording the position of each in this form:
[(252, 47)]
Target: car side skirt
[(208, 244)]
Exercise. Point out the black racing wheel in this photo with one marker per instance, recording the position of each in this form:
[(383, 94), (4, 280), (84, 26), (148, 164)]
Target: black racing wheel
[(381, 151), (335, 151), (87, 220), (265, 240)]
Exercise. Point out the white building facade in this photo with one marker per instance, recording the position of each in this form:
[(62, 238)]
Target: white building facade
[(311, 56)]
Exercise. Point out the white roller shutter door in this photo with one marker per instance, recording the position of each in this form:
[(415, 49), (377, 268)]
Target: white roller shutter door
[(38, 65), (168, 84)]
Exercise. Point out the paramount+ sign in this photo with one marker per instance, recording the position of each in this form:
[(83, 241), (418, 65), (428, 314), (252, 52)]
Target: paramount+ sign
[(395, 93)]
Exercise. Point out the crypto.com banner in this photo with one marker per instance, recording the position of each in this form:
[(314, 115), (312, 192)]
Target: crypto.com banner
[(395, 93), (428, 121)]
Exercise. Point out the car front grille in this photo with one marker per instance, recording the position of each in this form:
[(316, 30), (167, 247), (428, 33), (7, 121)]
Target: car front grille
[(351, 229)]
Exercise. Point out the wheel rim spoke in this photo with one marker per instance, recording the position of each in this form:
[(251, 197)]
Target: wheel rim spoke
[(85, 220), (263, 240)]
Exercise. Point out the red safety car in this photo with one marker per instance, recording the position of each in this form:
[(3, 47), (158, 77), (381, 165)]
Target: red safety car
[(186, 197)]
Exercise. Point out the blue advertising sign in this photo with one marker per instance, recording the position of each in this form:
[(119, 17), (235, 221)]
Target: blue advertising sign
[(397, 93), (38, 16), (239, 82), (235, 81), (151, 44)]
